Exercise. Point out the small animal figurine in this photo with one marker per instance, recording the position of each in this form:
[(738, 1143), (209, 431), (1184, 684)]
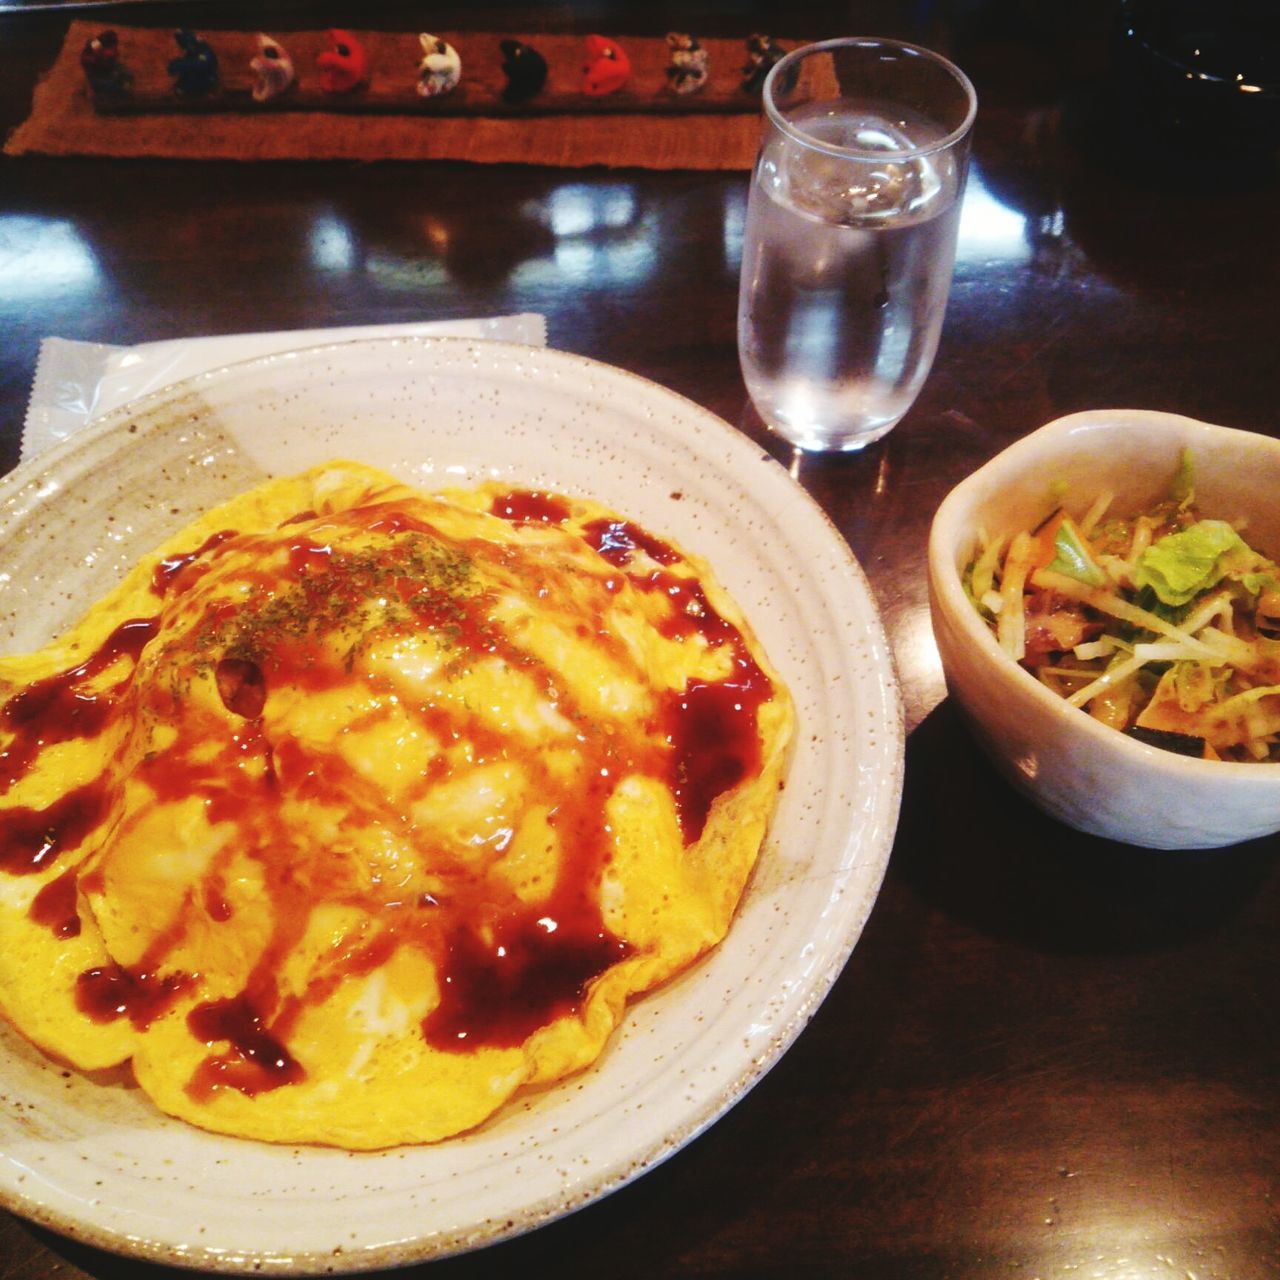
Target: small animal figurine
[(440, 68), (607, 67), (762, 53), (344, 65), (525, 69), (272, 70), (687, 71), (100, 61), (195, 69)]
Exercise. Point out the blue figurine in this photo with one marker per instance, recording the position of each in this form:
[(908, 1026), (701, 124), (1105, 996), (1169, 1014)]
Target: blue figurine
[(195, 70)]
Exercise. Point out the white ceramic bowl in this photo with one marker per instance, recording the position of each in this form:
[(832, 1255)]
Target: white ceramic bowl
[(1087, 775), (90, 1157)]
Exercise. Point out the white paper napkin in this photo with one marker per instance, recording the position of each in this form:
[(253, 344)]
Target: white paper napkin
[(76, 382)]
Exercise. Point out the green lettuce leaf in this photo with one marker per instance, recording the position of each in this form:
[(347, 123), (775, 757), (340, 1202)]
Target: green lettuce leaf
[(1182, 565), (1072, 558), (1256, 583)]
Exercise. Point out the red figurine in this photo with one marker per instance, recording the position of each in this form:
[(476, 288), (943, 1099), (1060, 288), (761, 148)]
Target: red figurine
[(100, 60), (344, 65), (607, 67)]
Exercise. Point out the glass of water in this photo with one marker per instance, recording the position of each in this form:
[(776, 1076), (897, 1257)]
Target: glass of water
[(851, 236)]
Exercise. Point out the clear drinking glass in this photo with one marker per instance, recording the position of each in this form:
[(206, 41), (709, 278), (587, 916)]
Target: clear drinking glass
[(851, 236)]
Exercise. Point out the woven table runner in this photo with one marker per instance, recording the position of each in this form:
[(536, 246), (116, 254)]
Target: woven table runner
[(644, 125)]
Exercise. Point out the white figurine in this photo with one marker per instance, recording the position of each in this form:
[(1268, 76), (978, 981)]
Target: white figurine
[(687, 72), (272, 70), (440, 68)]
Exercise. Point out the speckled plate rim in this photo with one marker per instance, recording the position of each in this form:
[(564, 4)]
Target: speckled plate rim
[(801, 588)]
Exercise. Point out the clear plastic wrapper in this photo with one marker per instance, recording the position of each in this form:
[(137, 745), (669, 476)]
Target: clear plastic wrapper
[(76, 382)]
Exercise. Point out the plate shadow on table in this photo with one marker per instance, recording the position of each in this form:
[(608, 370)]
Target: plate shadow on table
[(974, 847)]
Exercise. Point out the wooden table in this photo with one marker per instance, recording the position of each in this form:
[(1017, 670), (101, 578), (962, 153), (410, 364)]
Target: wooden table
[(1048, 1056)]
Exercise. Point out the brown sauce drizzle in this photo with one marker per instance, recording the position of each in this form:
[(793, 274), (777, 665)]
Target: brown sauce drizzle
[(715, 742), (55, 906), (30, 839), (168, 570), (712, 727), (254, 1061), (112, 991), (535, 969), (528, 505), (617, 540), (58, 709), (215, 903), (310, 555)]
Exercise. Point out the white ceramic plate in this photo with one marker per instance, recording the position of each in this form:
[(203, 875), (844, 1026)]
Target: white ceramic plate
[(95, 1161)]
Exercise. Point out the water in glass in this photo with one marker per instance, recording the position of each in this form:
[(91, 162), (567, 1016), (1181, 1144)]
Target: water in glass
[(846, 270)]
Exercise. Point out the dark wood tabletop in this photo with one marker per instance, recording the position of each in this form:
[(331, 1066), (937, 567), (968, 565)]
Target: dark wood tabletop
[(1048, 1056)]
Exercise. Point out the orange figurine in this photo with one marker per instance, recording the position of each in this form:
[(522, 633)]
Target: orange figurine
[(344, 65), (607, 67)]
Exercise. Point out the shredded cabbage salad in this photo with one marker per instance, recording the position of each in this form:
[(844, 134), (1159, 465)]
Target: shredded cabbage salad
[(1164, 625)]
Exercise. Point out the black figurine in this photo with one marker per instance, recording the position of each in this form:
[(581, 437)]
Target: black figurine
[(195, 69), (525, 69), (100, 61), (762, 53)]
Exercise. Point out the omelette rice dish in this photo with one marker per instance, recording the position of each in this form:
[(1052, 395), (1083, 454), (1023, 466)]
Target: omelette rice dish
[(353, 810)]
